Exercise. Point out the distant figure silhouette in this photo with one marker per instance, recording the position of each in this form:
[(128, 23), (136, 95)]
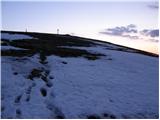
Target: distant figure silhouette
[(57, 31), (26, 29), (72, 34)]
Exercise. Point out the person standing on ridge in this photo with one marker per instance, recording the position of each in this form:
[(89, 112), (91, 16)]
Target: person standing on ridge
[(57, 31)]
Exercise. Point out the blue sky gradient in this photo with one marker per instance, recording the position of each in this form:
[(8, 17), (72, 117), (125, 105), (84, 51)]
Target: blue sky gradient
[(86, 19)]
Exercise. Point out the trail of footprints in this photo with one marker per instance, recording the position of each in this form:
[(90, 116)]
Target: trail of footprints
[(27, 94), (43, 74)]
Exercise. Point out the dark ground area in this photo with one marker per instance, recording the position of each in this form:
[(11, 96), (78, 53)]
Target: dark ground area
[(48, 44)]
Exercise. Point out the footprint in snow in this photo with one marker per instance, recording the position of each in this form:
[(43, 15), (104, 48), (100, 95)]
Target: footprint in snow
[(59, 117), (93, 117), (49, 84), (58, 114), (18, 113), (18, 98), (2, 108), (28, 92), (64, 62), (51, 77), (15, 73), (28, 98), (110, 100), (43, 92), (110, 116)]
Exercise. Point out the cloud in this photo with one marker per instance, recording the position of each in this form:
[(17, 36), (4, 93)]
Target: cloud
[(151, 33), (154, 5), (131, 32), (131, 36), (154, 40), (123, 31)]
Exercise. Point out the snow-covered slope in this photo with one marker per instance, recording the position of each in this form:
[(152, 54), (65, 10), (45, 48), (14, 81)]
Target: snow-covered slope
[(118, 85)]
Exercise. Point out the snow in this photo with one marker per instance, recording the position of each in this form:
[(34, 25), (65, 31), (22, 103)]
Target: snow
[(121, 84), (19, 85), (11, 48), (100, 48), (90, 87), (14, 36)]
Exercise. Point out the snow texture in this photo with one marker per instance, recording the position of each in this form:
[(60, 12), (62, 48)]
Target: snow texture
[(14, 36), (119, 85), (11, 48)]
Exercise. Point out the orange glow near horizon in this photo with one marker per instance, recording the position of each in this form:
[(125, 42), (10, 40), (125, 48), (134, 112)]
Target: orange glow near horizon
[(141, 44)]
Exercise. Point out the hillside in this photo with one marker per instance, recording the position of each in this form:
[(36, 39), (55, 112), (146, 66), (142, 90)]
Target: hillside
[(63, 76)]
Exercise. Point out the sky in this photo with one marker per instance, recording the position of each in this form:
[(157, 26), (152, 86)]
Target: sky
[(129, 23)]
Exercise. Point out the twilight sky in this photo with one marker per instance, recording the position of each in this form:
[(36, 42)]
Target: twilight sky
[(133, 24)]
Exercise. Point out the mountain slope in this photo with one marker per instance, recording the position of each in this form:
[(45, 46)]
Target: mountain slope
[(62, 76)]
